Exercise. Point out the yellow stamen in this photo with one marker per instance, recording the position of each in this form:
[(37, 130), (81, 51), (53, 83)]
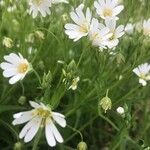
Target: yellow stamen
[(22, 68), (43, 113), (84, 28), (107, 12)]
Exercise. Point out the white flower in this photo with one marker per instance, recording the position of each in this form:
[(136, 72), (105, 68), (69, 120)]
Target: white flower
[(40, 116), (74, 83), (120, 110), (99, 34), (117, 32), (143, 72), (108, 8), (129, 28), (82, 23), (15, 67), (146, 27), (41, 6)]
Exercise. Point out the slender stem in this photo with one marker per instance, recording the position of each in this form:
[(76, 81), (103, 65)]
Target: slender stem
[(109, 121), (107, 92), (76, 131), (22, 87), (38, 77), (37, 139), (81, 56), (83, 127)]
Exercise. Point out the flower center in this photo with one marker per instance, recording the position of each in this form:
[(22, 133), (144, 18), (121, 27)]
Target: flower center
[(107, 12), (43, 113), (37, 2), (143, 76), (22, 68), (84, 28), (112, 37)]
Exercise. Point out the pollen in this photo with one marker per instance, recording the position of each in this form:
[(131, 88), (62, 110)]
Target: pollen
[(84, 28), (43, 113), (22, 68), (107, 12)]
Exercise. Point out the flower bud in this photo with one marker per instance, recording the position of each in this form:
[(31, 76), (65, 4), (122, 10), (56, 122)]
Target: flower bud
[(105, 102), (18, 146), (39, 34), (82, 146), (74, 83), (22, 100), (47, 78), (120, 110), (7, 42)]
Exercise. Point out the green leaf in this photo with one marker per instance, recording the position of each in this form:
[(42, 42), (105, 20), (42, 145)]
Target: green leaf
[(4, 108)]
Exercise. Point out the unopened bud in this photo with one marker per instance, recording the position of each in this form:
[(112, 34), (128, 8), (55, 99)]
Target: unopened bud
[(82, 146), (105, 103), (39, 34), (120, 110), (18, 146), (22, 100), (47, 78), (7, 42)]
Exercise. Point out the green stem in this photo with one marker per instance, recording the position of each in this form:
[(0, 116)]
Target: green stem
[(109, 121), (38, 77), (37, 139), (76, 131), (81, 56), (22, 87)]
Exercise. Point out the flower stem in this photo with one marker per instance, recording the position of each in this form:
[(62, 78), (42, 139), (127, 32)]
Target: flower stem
[(37, 139), (76, 131), (37, 75)]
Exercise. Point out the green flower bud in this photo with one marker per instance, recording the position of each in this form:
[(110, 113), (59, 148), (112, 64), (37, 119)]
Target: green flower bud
[(18, 146), (22, 100), (7, 42), (39, 34), (82, 146), (47, 78), (105, 103)]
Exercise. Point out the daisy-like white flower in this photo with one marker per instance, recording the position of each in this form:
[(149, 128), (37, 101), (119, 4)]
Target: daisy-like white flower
[(16, 67), (143, 72), (129, 29), (146, 27), (42, 6), (108, 8), (40, 116), (74, 83), (82, 23), (99, 34), (117, 32)]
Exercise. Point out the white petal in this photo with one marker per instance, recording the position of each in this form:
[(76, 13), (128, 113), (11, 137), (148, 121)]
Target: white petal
[(22, 117), (56, 133), (117, 10), (16, 78), (10, 72), (5, 66), (49, 135), (60, 120), (12, 58), (143, 82), (34, 104), (33, 130)]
